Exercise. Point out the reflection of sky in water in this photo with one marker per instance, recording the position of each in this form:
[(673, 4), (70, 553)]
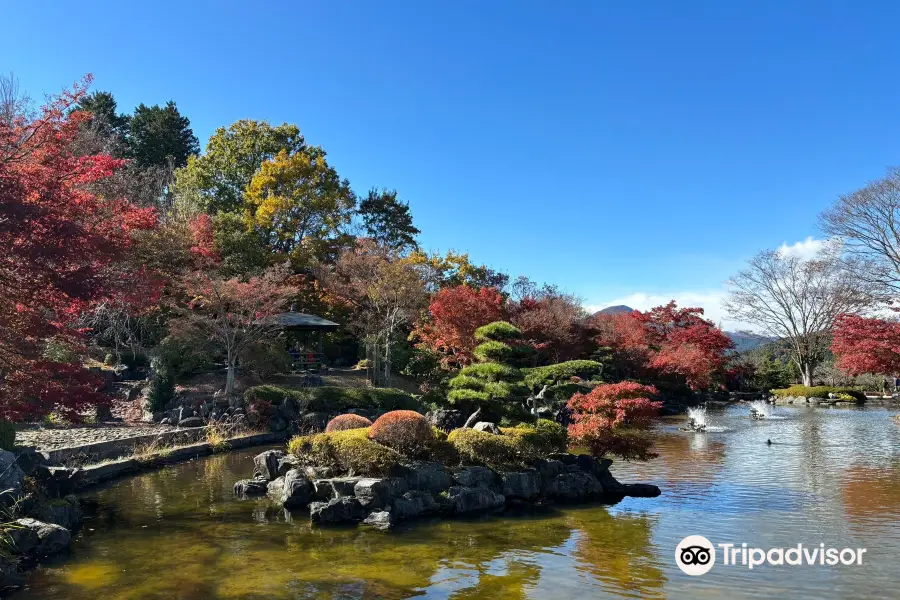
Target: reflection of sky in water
[(830, 476)]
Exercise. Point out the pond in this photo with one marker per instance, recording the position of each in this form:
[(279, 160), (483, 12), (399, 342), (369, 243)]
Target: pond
[(830, 476)]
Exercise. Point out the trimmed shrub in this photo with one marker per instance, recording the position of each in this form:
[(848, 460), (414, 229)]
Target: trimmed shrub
[(403, 430), (818, 391), (494, 351), (7, 436), (162, 390), (348, 421), (336, 399), (482, 448), (350, 451), (542, 438), (498, 331), (538, 377)]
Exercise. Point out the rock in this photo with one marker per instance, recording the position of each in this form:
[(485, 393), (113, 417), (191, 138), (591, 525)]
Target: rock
[(191, 422), (251, 487), (297, 490), (413, 504), (427, 476), (445, 420), (381, 519), (468, 499), (597, 467), (66, 513), (312, 422), (522, 485), (12, 478), (337, 510), (335, 487), (640, 490), (102, 413), (36, 538), (314, 473), (574, 487), (29, 459), (481, 477), (266, 464), (487, 427), (548, 469), (59, 481), (286, 463), (563, 457), (275, 489), (378, 493)]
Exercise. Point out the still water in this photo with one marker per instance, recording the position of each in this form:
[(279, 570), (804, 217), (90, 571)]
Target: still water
[(830, 476)]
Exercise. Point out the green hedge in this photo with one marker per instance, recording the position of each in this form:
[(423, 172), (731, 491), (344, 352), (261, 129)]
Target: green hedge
[(336, 399), (819, 391), (538, 377)]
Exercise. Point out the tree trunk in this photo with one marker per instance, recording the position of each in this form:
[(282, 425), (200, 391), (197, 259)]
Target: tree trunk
[(229, 377), (806, 370), (473, 418)]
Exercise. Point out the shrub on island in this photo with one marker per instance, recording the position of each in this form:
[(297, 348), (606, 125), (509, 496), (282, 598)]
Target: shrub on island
[(819, 391), (405, 431), (349, 451), (516, 446), (348, 421)]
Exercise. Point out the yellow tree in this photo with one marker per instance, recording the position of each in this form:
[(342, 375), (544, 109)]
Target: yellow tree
[(300, 204)]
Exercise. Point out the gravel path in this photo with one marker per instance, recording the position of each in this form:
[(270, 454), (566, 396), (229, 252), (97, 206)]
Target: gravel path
[(53, 438)]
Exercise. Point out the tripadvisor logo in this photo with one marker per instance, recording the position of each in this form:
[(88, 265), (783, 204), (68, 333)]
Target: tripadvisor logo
[(696, 555)]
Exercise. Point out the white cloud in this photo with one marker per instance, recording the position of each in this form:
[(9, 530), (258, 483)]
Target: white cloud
[(709, 300), (806, 249)]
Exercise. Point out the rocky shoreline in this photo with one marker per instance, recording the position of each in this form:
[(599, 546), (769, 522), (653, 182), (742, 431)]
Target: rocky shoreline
[(422, 488)]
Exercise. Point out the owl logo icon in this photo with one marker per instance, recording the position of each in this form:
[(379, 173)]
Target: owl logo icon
[(695, 555)]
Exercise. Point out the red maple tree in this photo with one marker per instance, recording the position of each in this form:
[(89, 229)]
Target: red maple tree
[(61, 247), (611, 420), (667, 340), (864, 345), (455, 314)]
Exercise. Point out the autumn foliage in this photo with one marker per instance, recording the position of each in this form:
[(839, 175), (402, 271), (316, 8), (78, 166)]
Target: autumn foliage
[(456, 313), (349, 421), (61, 250), (403, 430), (667, 340), (864, 345), (611, 420)]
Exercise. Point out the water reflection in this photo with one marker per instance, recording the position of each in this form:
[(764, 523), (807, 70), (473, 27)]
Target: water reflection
[(828, 476)]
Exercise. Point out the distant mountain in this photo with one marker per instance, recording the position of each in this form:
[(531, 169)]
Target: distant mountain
[(614, 310), (745, 340)]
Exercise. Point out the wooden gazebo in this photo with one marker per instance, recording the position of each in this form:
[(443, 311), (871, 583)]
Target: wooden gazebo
[(295, 323)]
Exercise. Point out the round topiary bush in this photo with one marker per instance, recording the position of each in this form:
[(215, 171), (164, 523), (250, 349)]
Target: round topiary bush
[(345, 422), (403, 430)]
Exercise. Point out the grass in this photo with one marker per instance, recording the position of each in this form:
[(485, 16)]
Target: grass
[(819, 391)]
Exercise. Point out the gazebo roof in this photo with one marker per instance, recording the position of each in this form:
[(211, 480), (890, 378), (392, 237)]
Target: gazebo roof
[(303, 321)]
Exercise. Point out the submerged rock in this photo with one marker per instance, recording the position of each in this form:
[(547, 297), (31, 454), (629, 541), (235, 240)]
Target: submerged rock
[(467, 499), (639, 490), (337, 510), (251, 487), (31, 537), (378, 493)]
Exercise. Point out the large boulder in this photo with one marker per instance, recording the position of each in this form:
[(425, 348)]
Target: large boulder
[(521, 485), (251, 487), (413, 504), (288, 462), (381, 519), (267, 464), (12, 478), (297, 490), (427, 476), (378, 493), (487, 427), (313, 422), (31, 537), (468, 499), (275, 489), (335, 487), (548, 469), (337, 510), (480, 477), (445, 420), (192, 422), (573, 487)]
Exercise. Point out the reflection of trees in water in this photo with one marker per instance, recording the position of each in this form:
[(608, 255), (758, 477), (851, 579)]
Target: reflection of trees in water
[(696, 458), (618, 551), (871, 495)]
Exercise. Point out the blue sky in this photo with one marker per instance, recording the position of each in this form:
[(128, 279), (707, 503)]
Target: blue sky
[(627, 151)]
